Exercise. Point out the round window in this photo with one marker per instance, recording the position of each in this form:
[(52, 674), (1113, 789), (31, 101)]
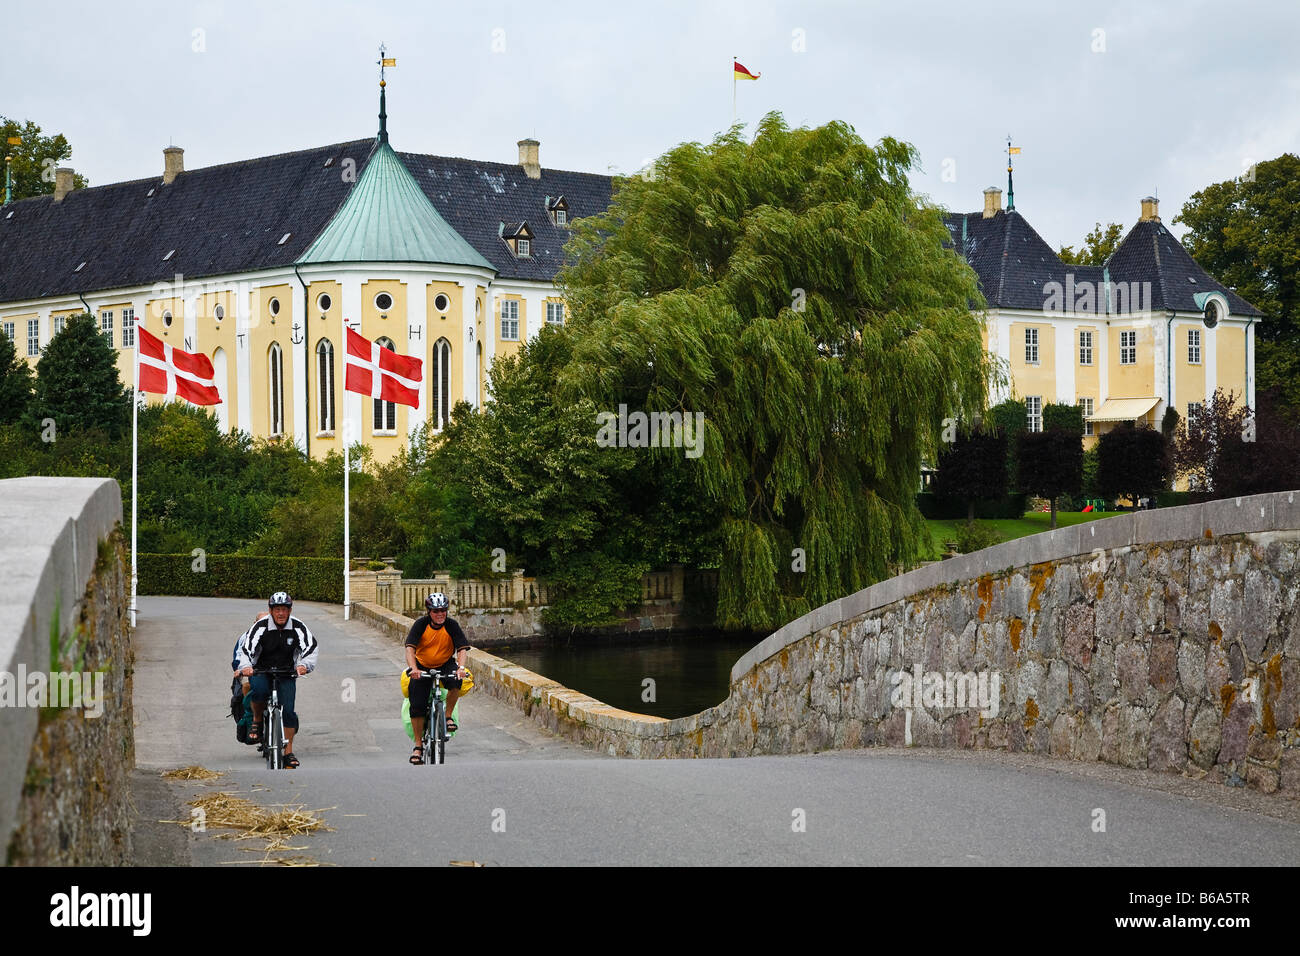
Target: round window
[(441, 302), (1212, 313), (167, 319), (323, 302), (274, 306), (219, 312), (383, 302)]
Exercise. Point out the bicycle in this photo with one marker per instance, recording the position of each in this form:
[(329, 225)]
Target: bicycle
[(435, 724), (273, 739)]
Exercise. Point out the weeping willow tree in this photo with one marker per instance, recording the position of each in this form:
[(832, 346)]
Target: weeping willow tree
[(796, 292)]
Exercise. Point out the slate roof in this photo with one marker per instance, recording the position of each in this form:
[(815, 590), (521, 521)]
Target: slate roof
[(1150, 253), (1014, 263), (229, 219), (1012, 260)]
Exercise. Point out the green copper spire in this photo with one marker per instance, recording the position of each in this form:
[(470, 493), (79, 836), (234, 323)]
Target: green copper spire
[(388, 218), (383, 115)]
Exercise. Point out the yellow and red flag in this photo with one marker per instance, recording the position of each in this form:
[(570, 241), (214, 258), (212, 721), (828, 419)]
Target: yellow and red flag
[(740, 73)]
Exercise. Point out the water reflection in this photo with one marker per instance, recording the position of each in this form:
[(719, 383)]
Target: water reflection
[(690, 674)]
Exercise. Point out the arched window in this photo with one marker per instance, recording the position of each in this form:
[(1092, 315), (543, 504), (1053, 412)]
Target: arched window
[(385, 412), (440, 383), (276, 391), (325, 385)]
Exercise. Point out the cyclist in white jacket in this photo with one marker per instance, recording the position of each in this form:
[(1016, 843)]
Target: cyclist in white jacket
[(280, 641)]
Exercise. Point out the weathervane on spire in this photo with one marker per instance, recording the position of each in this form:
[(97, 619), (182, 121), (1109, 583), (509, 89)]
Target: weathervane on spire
[(1011, 193), (383, 61)]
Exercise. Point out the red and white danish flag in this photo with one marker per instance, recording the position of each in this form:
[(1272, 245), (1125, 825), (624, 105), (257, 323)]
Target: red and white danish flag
[(167, 370), (381, 373)]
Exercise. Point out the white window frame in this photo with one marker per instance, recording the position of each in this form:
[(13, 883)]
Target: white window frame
[(1034, 412), (1191, 407), (1128, 347), (106, 326), (1193, 346), (9, 332), (509, 320), (275, 389), (58, 324), (552, 308), (384, 412), (34, 337), (440, 384), (128, 328), (561, 217), (1085, 347), (1086, 405), (325, 414), (1031, 346), (523, 248)]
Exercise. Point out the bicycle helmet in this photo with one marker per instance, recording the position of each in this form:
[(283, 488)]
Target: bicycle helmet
[(280, 599), (437, 601)]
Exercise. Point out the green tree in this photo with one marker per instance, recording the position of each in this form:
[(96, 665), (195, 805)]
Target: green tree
[(32, 160), (973, 467), (1051, 461), (1097, 246), (1011, 418), (15, 383), (794, 292), (77, 383), (1246, 233), (1131, 462)]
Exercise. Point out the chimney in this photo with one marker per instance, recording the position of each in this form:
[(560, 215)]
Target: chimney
[(528, 158), (992, 202), (173, 163), (1150, 209), (63, 182)]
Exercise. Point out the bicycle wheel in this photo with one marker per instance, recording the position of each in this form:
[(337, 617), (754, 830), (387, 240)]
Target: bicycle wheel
[(441, 731), (275, 739)]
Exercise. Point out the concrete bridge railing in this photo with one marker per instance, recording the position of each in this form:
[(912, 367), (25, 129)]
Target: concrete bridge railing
[(1165, 640), (66, 724)]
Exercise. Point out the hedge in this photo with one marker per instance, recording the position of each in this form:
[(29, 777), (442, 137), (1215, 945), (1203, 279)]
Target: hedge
[(230, 575), (934, 507)]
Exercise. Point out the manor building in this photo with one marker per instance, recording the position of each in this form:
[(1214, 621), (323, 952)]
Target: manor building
[(1146, 331), (257, 264)]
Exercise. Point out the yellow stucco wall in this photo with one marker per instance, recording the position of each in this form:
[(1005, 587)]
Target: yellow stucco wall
[(1137, 380), (1230, 371), (444, 324), (511, 346), (1039, 379), (1189, 379)]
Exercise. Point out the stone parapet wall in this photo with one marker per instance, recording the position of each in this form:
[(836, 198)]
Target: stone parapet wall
[(1165, 640), (64, 796)]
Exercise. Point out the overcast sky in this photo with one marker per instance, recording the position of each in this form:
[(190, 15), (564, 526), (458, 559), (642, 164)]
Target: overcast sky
[(1110, 102)]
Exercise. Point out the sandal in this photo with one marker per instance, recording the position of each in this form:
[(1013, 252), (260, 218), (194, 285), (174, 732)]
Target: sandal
[(290, 761), (255, 733), (452, 726), (417, 755)]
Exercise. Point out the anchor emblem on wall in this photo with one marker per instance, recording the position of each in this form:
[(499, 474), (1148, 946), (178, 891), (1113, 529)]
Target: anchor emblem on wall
[(296, 337)]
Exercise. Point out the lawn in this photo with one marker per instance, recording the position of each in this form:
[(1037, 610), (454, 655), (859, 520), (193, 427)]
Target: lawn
[(1010, 528)]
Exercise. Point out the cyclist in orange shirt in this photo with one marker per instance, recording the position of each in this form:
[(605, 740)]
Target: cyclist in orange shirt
[(435, 643)]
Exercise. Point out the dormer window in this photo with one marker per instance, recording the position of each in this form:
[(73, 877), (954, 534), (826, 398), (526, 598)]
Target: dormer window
[(558, 210), (518, 237)]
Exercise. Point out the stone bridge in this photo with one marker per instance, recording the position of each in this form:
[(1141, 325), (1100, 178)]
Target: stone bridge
[(1165, 640)]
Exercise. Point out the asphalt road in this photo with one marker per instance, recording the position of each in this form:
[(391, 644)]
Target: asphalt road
[(511, 794)]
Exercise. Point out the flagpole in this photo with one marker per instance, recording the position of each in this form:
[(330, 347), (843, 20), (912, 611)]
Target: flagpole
[(347, 525), (733, 91), (135, 455)]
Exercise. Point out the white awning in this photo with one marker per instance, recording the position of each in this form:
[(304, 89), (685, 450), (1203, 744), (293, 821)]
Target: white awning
[(1124, 409)]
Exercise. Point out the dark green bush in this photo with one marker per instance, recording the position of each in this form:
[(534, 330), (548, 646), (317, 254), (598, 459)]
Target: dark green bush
[(974, 535), (226, 575)]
